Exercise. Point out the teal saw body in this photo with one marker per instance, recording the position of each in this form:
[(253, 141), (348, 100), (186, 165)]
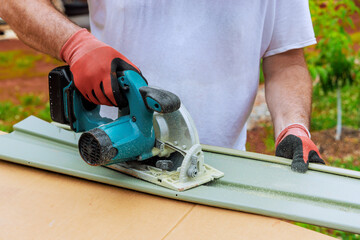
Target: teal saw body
[(106, 141), (130, 137)]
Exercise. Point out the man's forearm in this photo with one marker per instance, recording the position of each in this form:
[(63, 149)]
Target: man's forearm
[(38, 24), (288, 89)]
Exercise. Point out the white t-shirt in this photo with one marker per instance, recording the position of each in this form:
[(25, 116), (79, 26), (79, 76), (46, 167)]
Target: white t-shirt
[(206, 52)]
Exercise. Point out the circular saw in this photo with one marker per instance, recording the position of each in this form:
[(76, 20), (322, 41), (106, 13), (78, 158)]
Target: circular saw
[(154, 138)]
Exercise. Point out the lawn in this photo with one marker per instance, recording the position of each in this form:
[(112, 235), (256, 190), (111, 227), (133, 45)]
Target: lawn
[(29, 105)]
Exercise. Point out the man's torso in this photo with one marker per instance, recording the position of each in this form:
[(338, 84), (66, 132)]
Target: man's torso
[(206, 52)]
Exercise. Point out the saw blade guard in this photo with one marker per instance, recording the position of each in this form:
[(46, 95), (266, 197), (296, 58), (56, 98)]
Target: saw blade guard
[(176, 131)]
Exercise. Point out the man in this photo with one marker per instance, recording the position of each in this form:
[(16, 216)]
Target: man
[(207, 52)]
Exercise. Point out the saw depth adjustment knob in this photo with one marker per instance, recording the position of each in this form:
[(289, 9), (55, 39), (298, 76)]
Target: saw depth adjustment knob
[(193, 169)]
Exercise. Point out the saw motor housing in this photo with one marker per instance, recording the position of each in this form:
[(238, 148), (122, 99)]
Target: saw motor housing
[(106, 141)]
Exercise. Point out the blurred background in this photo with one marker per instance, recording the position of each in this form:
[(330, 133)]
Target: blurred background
[(334, 65)]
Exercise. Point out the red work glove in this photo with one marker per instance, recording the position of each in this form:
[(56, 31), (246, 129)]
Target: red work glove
[(94, 71), (294, 142)]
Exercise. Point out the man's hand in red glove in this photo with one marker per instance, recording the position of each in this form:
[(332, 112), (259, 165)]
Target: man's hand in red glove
[(294, 142), (94, 68)]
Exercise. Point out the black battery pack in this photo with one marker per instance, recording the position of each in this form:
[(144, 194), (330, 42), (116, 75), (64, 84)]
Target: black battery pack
[(59, 78)]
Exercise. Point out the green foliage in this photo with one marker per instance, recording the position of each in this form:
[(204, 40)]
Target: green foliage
[(7, 57), (269, 140), (45, 113), (22, 63), (30, 105), (18, 58), (324, 108), (27, 62), (334, 61), (347, 163), (330, 232), (9, 113), (261, 77), (355, 37), (30, 100)]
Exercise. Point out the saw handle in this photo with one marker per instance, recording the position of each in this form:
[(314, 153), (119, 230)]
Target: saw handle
[(159, 100)]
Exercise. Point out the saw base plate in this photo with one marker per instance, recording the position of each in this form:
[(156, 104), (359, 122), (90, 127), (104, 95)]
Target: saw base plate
[(168, 179)]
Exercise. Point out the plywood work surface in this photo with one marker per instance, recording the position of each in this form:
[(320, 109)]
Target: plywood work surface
[(37, 204)]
